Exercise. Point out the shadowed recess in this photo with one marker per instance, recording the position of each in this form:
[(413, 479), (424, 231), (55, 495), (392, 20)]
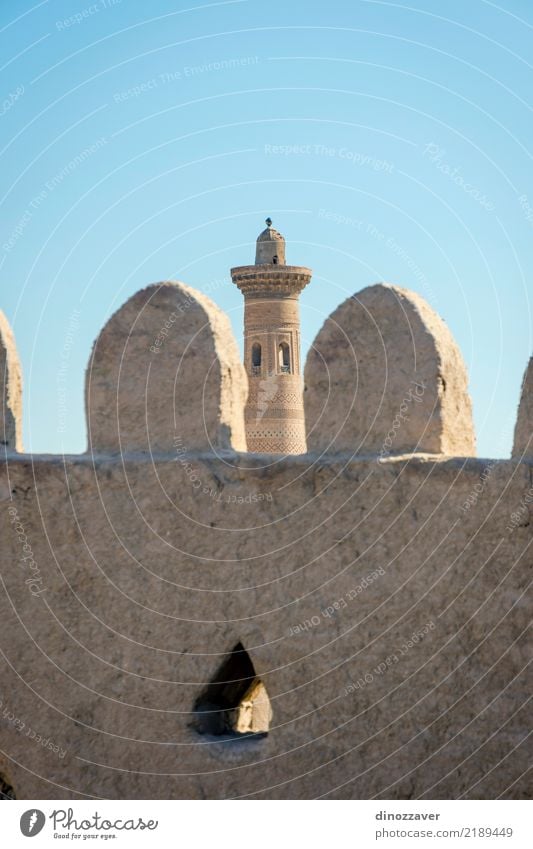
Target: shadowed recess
[(235, 704), (6, 791)]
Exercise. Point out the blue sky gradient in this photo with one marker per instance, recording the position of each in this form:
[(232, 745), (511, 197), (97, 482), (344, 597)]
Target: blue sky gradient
[(143, 142)]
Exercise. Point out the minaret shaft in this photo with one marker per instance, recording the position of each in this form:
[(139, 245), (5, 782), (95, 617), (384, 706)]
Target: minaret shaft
[(274, 415)]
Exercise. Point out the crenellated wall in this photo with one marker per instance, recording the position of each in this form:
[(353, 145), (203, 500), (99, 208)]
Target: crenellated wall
[(523, 435), (165, 367), (11, 390), (378, 583), (385, 376)]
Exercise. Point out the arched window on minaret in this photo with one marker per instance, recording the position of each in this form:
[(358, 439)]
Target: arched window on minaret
[(256, 358), (284, 357)]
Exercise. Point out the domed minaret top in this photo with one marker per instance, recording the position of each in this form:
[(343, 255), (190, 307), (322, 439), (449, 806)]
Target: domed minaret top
[(270, 246), (270, 275)]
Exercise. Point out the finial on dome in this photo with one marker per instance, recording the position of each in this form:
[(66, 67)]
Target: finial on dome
[(270, 248)]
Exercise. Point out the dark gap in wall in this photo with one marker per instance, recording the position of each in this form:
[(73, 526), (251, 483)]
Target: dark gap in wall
[(235, 703), (6, 791)]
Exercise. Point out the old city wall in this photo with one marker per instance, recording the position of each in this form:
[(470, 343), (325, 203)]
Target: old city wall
[(379, 591)]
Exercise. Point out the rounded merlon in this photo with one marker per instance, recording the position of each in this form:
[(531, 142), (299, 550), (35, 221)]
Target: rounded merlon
[(11, 379), (165, 367), (523, 435), (385, 376)]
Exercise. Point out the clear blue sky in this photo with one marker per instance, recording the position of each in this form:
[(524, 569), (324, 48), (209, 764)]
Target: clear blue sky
[(410, 161)]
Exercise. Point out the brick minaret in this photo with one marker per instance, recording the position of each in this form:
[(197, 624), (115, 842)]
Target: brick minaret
[(274, 414)]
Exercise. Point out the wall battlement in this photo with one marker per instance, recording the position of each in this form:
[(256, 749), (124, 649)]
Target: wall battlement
[(383, 376), (371, 591)]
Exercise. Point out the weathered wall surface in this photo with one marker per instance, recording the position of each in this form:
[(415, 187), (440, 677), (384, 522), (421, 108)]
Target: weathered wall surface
[(382, 602), (385, 357), (523, 435), (148, 582), (166, 367), (10, 390)]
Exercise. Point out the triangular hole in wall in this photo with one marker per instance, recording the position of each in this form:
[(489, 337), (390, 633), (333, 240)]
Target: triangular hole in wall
[(235, 703), (6, 791)]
